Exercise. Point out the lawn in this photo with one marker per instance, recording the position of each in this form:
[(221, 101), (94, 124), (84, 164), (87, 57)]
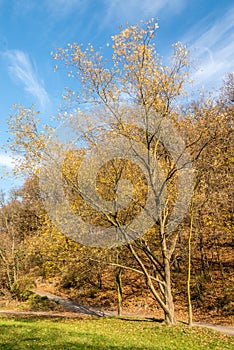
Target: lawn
[(100, 334)]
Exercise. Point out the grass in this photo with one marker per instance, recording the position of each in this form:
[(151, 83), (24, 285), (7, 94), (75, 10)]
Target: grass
[(100, 334)]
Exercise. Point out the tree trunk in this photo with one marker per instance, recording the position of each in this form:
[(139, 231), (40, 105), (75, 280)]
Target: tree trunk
[(167, 304), (119, 289), (166, 255), (190, 311), (170, 314)]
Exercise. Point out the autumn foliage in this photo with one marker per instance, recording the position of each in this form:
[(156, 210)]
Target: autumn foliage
[(131, 96)]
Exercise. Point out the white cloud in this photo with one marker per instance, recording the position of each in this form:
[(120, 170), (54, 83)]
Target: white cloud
[(6, 161), (23, 71), (212, 43)]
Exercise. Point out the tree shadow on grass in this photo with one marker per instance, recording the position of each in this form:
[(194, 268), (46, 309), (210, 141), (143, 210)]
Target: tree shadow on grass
[(139, 319), (23, 317), (56, 318)]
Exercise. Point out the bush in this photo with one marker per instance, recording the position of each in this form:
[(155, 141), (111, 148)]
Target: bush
[(226, 304), (38, 303), (22, 288), (72, 280)]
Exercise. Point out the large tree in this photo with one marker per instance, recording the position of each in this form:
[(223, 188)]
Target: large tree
[(129, 140)]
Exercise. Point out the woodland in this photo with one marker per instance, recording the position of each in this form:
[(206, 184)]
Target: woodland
[(176, 260)]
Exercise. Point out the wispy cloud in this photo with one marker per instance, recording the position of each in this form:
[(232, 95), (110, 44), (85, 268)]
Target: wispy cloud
[(138, 9), (62, 8), (213, 46), (6, 161), (22, 70), (118, 12)]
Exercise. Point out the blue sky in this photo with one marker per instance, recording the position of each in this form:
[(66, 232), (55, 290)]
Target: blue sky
[(31, 29)]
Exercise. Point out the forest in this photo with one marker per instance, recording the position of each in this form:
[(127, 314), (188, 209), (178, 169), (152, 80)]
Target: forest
[(128, 204)]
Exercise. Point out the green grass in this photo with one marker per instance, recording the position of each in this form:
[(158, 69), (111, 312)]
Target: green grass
[(100, 334)]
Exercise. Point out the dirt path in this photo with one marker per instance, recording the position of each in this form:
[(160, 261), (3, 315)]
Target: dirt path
[(72, 306), (75, 307), (216, 327)]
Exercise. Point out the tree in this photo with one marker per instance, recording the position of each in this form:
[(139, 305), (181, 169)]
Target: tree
[(209, 123), (134, 102), (16, 222), (227, 92)]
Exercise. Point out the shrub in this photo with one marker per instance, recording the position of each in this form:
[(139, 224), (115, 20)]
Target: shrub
[(42, 303), (22, 288)]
